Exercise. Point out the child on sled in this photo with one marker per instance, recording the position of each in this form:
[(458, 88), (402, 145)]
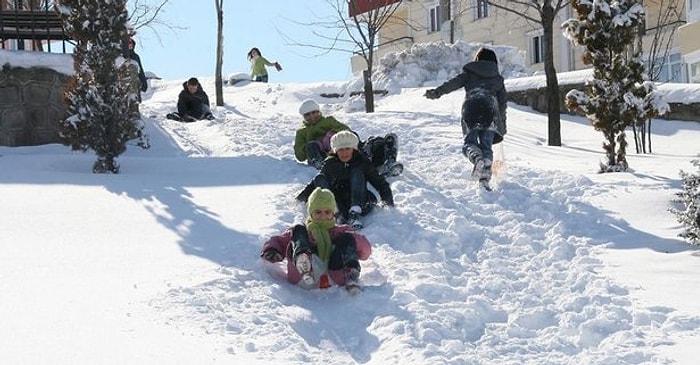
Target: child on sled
[(319, 247)]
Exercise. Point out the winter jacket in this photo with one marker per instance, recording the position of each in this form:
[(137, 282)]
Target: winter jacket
[(282, 243), (139, 83), (479, 78), (257, 67), (129, 53), (337, 174), (314, 132), (191, 104)]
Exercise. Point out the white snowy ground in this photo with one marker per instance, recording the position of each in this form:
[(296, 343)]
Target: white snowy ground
[(159, 264)]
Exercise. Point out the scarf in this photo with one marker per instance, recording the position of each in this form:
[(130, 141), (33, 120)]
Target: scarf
[(320, 230)]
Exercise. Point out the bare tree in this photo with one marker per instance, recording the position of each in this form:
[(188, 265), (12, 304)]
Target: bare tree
[(665, 24), (544, 13), (355, 30), (218, 83), (363, 30), (452, 10), (146, 14)]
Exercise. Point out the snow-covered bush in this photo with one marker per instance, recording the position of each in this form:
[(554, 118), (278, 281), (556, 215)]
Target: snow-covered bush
[(689, 197), (619, 95), (102, 112)]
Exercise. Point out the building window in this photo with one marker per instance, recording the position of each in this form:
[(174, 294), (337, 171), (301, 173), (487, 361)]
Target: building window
[(694, 69), (481, 9), (693, 61), (671, 68), (435, 19), (536, 49), (693, 7)]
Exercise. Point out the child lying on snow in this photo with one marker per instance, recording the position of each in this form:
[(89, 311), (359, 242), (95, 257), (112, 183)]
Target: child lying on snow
[(320, 246)]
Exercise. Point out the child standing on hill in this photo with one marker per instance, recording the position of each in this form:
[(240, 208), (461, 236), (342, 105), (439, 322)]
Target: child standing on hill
[(131, 54), (258, 72), (483, 110), (320, 246)]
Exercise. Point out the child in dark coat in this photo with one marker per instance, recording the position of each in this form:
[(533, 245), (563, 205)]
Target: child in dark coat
[(320, 246), (192, 103), (346, 172), (483, 110), (131, 54)]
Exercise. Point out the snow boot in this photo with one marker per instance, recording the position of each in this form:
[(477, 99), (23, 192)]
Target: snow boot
[(354, 215), (486, 171), (478, 169), (352, 278), (303, 264), (391, 169)]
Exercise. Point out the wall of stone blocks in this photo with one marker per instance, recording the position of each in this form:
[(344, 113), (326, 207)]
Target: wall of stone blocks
[(31, 104)]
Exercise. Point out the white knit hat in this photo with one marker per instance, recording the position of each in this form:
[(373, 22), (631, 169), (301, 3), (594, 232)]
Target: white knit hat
[(344, 139), (308, 106)]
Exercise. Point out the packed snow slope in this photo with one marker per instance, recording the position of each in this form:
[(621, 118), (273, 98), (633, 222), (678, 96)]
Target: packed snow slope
[(159, 264)]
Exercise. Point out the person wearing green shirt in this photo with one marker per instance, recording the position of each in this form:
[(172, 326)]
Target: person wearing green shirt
[(258, 72), (312, 140)]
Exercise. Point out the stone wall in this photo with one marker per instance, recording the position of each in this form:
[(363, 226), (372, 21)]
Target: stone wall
[(536, 99), (31, 104)]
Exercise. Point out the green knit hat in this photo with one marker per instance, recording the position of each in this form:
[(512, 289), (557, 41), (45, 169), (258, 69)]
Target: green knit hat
[(321, 199)]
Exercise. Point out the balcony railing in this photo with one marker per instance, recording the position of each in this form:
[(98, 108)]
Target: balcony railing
[(31, 29)]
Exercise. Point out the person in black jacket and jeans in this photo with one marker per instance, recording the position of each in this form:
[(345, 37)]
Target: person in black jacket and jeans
[(346, 172), (131, 54), (483, 109), (192, 103)]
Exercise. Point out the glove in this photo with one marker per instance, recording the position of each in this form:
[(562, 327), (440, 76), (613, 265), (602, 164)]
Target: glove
[(144, 87), (278, 67), (272, 255), (432, 94)]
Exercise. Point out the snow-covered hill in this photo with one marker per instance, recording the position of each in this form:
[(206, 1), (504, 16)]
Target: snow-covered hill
[(159, 264)]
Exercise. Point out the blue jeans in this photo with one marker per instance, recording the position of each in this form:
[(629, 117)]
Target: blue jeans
[(315, 154), (478, 143), (355, 194)]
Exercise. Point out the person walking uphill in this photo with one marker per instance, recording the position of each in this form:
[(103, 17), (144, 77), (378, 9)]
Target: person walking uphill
[(483, 110), (320, 248), (258, 72)]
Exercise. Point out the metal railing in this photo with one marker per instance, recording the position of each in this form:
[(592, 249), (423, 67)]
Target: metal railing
[(24, 29)]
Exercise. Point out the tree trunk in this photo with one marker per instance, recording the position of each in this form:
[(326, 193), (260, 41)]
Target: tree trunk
[(553, 98), (218, 83), (369, 91), (648, 131)]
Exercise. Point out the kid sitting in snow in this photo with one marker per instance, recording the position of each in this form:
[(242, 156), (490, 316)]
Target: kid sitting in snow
[(312, 141), (346, 173), (320, 246)]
